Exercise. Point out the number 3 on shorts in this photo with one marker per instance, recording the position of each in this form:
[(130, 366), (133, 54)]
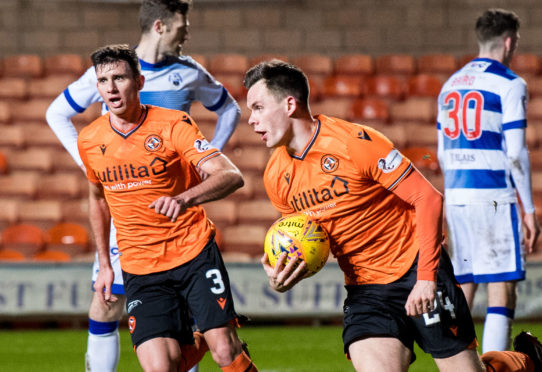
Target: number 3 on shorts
[(216, 277)]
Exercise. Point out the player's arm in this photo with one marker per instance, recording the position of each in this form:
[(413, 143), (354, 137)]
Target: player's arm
[(518, 160), (228, 119), (223, 179), (427, 202)]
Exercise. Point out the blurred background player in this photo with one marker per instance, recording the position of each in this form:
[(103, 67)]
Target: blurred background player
[(484, 158), (385, 225), (143, 164), (171, 80)]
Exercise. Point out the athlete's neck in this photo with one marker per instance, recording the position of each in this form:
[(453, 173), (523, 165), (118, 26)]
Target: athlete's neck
[(301, 133), (129, 119), (148, 50)]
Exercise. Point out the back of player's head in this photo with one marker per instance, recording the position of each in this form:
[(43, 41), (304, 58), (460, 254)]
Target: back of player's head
[(114, 53), (164, 10), (281, 78), (495, 23)]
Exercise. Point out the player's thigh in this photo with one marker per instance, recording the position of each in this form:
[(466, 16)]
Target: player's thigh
[(383, 354), (159, 354), (467, 360), (502, 294), (110, 312)]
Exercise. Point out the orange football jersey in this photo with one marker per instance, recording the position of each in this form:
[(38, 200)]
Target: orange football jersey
[(160, 156), (343, 179)]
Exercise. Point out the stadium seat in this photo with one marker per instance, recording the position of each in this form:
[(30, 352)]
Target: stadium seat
[(222, 211), (37, 134), (8, 212), (354, 64), (86, 117), (534, 108), (233, 64), (536, 159), (526, 64), (248, 190), (534, 84), (424, 85), (395, 132), (244, 135), (44, 213), (267, 57), (420, 135), (315, 89), (536, 179), (233, 83), (14, 88), (63, 162), (32, 159), (19, 184), (250, 158), (5, 112), (445, 64), (396, 64), (49, 86), (423, 158), (68, 237), (245, 238), (369, 110), (12, 136), (389, 87), (64, 64), (201, 59), (75, 210), (418, 109), (23, 65), (51, 255), (333, 106), (314, 64), (27, 239), (61, 185), (31, 110), (11, 255), (342, 86), (4, 165), (463, 60), (258, 210)]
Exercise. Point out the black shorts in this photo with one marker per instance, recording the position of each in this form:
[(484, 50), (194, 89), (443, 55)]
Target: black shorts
[(378, 310), (159, 304)]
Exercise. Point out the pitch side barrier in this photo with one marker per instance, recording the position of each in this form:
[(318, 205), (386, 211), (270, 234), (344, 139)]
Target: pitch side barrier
[(33, 290)]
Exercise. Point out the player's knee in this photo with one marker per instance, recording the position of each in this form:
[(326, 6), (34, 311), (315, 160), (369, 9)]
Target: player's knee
[(224, 353), (161, 365)]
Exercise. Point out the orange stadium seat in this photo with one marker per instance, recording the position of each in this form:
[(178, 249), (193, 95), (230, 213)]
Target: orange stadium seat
[(534, 108), (32, 159), (333, 106), (437, 64), (38, 134), (11, 255), (8, 212), (233, 83), (234, 64), (86, 117), (536, 159), (369, 110), (244, 135), (342, 86), (463, 60), (315, 90), (33, 109), (75, 210), (525, 64), (354, 64), (25, 238), (259, 210), (423, 158), (23, 65), (420, 135), (43, 213), (385, 86), (267, 57), (19, 184), (63, 162), (250, 158), (4, 165), (245, 238), (62, 185), (424, 85), (68, 237), (5, 112), (397, 64), (534, 84), (64, 64), (12, 136), (314, 64), (51, 255), (49, 86), (14, 88), (418, 109), (222, 211)]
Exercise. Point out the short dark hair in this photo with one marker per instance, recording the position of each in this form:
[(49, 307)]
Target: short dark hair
[(496, 22), (281, 78), (114, 53), (164, 10)]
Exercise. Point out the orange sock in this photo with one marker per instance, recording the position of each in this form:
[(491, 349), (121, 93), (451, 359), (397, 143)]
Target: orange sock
[(242, 363), (505, 361), (192, 354)]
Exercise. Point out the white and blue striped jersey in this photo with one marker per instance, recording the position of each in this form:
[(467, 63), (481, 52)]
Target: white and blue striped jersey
[(476, 107)]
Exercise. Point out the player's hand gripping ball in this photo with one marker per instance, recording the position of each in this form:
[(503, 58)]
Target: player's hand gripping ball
[(299, 236)]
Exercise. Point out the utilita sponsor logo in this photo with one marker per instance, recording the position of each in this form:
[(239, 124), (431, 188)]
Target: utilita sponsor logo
[(126, 172), (313, 197)]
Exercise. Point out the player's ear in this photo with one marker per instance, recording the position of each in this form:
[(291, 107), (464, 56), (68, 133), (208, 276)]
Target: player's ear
[(291, 105), (140, 82), (158, 26)]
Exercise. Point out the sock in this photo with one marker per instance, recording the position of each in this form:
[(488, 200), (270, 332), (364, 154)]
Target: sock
[(192, 354), (497, 329), (241, 364), (103, 347)]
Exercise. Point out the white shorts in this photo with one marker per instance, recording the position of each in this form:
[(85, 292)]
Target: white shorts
[(486, 242), (118, 283)]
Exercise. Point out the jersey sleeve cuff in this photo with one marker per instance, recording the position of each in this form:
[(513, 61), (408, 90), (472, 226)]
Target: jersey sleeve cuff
[(427, 275)]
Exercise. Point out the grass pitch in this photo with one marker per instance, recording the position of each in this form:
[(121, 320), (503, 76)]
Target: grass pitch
[(273, 348)]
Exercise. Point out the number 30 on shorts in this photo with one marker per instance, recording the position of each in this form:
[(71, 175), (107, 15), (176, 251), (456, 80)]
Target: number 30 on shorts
[(445, 303), (218, 284)]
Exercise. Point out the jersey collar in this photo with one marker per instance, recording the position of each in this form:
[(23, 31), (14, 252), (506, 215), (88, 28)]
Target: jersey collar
[(310, 143), (141, 121)]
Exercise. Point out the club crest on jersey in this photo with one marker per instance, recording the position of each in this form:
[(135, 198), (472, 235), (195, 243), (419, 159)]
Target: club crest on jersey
[(329, 163), (153, 142), (175, 79), (202, 145), (391, 162)]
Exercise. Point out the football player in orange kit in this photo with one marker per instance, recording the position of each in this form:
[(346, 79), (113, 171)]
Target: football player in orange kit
[(384, 220), (142, 163)]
